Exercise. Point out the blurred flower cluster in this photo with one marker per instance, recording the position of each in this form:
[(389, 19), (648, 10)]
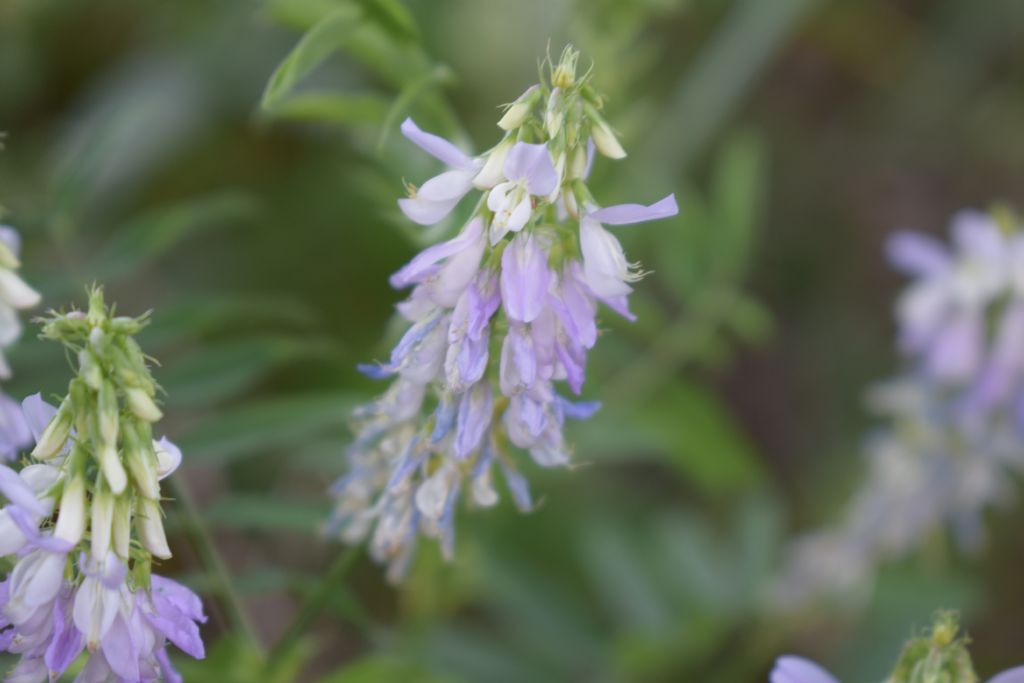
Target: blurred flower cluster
[(953, 422), (498, 315), (79, 579)]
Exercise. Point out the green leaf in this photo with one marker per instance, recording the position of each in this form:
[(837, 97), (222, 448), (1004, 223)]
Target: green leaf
[(687, 427), (259, 427), (160, 230), (382, 667), (332, 108), (738, 193), (264, 513), (219, 370), (439, 75), (392, 15), (326, 36)]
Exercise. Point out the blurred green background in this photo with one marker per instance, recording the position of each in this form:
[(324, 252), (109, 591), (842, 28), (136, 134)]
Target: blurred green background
[(146, 151)]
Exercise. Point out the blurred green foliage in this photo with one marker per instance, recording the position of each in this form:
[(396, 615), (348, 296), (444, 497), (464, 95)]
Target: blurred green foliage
[(234, 166)]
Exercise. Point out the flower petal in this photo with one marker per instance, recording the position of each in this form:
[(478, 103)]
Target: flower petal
[(436, 146), (790, 669), (423, 264), (624, 214), (531, 163), (1014, 675), (916, 254), (525, 278)]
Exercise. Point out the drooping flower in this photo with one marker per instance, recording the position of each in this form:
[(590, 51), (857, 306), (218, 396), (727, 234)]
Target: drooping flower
[(82, 584), (500, 315)]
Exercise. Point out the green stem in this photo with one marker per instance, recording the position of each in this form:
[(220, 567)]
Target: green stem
[(212, 560), (315, 602)]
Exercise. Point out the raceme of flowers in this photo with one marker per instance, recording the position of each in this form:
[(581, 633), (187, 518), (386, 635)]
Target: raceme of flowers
[(953, 420), (15, 295), (81, 580), (498, 315), (939, 655)]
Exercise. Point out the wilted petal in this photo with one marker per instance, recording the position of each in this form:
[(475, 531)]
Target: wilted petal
[(791, 669), (518, 367), (436, 146), (121, 650), (624, 214)]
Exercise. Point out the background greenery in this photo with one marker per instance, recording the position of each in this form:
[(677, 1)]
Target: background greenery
[(234, 166)]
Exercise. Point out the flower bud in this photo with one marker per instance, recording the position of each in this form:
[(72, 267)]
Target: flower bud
[(121, 527), (141, 461), (71, 518), (493, 171), (553, 115), (89, 369), (606, 142), (102, 522), (15, 292), (113, 470), (142, 405), (109, 412), (578, 167), (520, 109), (151, 528), (56, 434)]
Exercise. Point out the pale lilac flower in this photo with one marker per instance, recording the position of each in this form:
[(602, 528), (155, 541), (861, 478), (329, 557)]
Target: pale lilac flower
[(605, 267), (792, 669), (499, 317), (529, 172), (14, 293), (952, 436), (436, 198)]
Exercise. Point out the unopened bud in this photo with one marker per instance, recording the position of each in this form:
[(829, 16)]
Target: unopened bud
[(141, 461), (56, 434), (493, 171), (121, 527), (142, 405), (71, 518), (15, 292), (578, 167), (102, 523), (553, 114), (151, 528), (89, 369), (109, 412), (113, 470), (605, 141), (564, 75), (516, 114)]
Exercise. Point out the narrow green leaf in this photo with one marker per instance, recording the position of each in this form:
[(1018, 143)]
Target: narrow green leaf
[(265, 513), (326, 36), (439, 75), (160, 230), (331, 107), (738, 191), (219, 370), (264, 426)]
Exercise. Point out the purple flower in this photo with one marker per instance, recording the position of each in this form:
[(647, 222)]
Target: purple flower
[(436, 198), (15, 435), (529, 173), (792, 669), (605, 268), (499, 316)]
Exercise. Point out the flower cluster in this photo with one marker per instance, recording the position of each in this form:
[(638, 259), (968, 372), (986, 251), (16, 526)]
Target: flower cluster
[(498, 315), (939, 655), (14, 295), (81, 580), (953, 421)]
